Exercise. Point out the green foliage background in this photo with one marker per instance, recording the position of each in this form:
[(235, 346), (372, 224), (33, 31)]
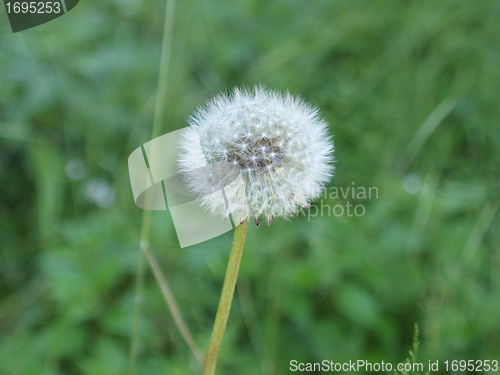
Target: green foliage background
[(411, 90)]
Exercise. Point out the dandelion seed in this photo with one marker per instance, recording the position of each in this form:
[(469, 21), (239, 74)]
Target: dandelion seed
[(232, 129)]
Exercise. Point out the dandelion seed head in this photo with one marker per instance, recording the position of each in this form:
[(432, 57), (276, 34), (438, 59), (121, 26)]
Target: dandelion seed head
[(271, 152)]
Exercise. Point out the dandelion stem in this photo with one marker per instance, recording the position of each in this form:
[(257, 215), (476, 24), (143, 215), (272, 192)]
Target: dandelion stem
[(226, 298)]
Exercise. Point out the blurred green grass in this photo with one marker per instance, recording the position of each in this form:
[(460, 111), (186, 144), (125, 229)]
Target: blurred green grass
[(411, 91)]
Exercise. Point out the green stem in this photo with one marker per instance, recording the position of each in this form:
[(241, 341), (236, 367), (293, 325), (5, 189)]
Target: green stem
[(172, 304), (226, 298), (161, 97)]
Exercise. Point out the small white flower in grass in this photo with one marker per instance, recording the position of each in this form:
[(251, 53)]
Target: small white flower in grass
[(277, 143)]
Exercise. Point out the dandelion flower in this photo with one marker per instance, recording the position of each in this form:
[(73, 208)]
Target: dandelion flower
[(269, 151)]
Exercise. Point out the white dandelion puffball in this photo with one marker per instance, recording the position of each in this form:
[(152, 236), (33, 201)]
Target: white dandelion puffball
[(270, 152)]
